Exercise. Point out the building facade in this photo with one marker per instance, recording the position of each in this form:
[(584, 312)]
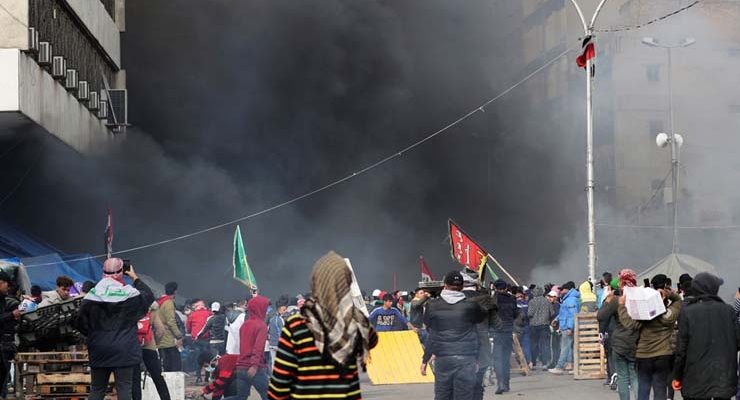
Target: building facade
[(60, 69)]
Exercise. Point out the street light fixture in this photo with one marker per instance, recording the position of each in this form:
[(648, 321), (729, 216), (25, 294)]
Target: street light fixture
[(672, 138)]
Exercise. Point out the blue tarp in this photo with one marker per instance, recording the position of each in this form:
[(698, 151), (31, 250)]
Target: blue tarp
[(44, 270), (14, 243)]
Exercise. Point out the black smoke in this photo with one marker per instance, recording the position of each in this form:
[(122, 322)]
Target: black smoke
[(239, 105)]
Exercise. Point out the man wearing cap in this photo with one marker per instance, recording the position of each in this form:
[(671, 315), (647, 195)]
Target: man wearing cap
[(275, 327), (503, 333), (9, 315), (388, 318), (453, 340), (108, 317), (216, 328), (569, 307), (473, 292)]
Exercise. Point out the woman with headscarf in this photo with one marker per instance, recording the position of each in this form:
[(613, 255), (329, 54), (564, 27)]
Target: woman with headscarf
[(319, 348)]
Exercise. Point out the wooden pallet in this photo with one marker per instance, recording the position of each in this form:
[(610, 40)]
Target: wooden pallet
[(52, 374), (589, 358)]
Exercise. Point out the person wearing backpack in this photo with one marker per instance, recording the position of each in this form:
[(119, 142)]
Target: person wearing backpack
[(149, 328)]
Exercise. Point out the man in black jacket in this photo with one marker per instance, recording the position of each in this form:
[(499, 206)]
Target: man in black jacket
[(453, 340), (108, 317), (708, 341), (503, 335), (473, 292)]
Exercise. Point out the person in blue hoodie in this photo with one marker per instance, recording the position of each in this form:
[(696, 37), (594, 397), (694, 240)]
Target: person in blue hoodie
[(566, 320)]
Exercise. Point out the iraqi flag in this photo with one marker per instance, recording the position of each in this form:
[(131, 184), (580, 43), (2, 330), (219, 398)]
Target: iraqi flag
[(588, 52), (426, 274), (108, 235)]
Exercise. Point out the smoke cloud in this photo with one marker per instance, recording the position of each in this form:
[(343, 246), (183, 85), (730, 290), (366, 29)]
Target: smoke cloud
[(238, 106)]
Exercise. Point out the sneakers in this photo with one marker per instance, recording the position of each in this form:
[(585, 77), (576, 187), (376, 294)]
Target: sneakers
[(556, 371)]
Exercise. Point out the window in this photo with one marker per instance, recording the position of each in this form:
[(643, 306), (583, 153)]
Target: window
[(655, 127), (653, 72)]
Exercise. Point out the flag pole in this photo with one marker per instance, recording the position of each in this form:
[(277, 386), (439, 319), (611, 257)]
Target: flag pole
[(503, 269)]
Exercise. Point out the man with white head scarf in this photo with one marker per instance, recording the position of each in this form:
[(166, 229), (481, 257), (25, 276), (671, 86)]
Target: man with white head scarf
[(109, 317)]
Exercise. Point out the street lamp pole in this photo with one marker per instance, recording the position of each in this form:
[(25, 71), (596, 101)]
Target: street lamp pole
[(588, 29), (674, 139)]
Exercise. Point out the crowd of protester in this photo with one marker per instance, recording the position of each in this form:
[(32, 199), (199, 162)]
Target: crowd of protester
[(313, 345)]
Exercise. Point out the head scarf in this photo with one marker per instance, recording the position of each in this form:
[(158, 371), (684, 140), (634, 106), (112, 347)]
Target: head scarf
[(331, 316), (628, 277), (113, 268)]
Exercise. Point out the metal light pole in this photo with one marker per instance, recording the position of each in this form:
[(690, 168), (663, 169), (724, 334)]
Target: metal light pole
[(674, 139), (588, 29)]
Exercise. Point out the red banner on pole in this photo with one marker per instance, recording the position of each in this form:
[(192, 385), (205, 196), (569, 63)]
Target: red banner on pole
[(426, 274), (465, 250)]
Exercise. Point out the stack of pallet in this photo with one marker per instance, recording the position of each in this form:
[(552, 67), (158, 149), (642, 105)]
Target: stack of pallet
[(589, 360), (52, 375)]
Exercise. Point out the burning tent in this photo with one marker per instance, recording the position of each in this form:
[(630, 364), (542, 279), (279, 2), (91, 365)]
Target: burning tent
[(676, 264)]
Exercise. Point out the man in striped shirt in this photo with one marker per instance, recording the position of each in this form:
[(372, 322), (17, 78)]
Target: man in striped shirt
[(320, 348)]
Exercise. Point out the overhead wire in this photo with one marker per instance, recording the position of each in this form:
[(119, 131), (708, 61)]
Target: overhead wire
[(652, 21), (394, 155)]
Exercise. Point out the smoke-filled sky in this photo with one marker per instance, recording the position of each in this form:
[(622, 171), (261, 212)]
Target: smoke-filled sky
[(240, 105)]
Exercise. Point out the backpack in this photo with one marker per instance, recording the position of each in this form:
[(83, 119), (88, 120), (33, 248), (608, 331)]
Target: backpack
[(144, 333)]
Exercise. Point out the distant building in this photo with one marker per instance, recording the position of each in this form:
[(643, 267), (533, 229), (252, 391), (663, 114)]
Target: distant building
[(60, 69), (631, 99)]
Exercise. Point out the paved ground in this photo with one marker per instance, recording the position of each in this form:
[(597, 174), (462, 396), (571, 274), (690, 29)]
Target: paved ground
[(539, 385)]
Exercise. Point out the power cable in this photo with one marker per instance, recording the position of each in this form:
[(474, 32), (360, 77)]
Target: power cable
[(652, 21), (368, 168)]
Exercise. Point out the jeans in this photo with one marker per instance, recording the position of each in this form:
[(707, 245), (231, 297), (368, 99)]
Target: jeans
[(554, 349), (626, 376), (6, 356), (526, 343), (502, 346), (540, 344), (154, 368), (171, 361), (202, 355), (244, 384), (99, 382), (652, 374), (566, 350), (454, 377)]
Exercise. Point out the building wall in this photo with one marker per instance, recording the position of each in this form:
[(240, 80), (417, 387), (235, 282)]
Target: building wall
[(44, 101), (87, 34), (14, 24)]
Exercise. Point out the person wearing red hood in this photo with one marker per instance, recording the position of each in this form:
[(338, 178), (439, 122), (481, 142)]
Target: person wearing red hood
[(251, 368)]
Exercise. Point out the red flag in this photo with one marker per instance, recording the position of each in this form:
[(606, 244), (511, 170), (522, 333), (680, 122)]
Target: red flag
[(108, 235), (589, 52), (426, 274), (465, 250)]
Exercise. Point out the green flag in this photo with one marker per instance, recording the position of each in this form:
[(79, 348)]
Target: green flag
[(490, 271), (242, 272)]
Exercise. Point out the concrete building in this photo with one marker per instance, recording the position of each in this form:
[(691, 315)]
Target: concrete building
[(60, 69)]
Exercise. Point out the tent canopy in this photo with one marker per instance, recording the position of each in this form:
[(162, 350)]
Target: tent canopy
[(44, 270), (674, 265)]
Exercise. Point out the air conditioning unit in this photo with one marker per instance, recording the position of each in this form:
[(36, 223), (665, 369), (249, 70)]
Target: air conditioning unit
[(58, 67), (33, 40), (103, 109), (118, 113), (83, 91), (94, 103), (72, 80), (44, 57)]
